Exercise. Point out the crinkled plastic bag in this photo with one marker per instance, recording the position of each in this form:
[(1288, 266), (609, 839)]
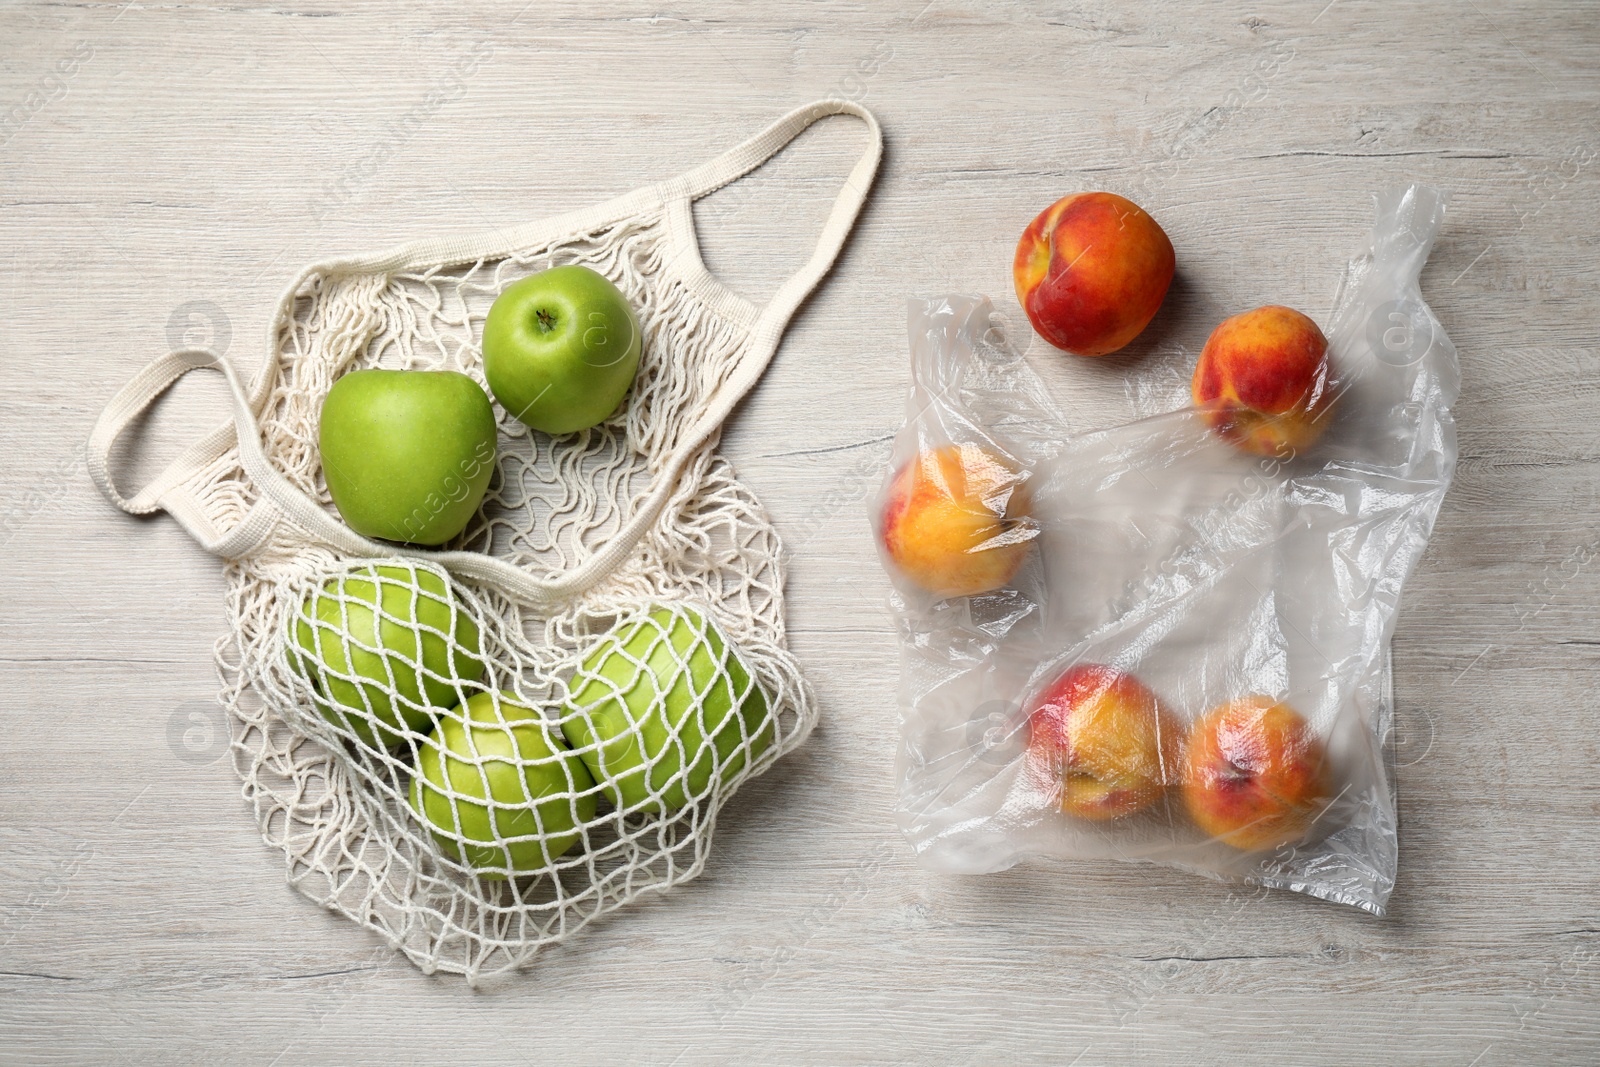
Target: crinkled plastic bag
[(1156, 549)]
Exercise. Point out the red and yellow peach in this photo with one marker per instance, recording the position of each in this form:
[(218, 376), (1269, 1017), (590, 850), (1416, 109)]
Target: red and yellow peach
[(1254, 775), (956, 521), (1091, 271), (1101, 738), (1262, 381)]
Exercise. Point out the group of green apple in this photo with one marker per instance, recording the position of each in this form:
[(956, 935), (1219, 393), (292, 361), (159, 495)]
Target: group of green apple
[(664, 710), (659, 714), (408, 454)]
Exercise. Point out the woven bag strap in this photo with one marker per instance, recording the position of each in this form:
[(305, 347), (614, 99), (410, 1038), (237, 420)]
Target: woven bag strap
[(174, 489)]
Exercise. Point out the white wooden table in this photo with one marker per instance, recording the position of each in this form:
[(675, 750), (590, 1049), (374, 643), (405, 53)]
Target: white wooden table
[(155, 155)]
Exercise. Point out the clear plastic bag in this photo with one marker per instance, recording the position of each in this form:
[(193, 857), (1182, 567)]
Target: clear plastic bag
[(1158, 575)]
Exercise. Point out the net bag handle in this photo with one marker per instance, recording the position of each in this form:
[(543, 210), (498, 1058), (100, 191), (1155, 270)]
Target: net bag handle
[(174, 489), (169, 490)]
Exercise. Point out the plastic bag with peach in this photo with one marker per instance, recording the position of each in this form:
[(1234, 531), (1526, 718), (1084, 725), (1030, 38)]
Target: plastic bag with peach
[(1168, 640)]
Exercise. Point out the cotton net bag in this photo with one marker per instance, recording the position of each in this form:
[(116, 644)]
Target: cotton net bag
[(610, 575)]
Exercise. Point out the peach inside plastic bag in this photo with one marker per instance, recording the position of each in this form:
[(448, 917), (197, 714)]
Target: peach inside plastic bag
[(1209, 574)]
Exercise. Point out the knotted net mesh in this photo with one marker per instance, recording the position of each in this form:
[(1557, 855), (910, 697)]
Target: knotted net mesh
[(570, 758)]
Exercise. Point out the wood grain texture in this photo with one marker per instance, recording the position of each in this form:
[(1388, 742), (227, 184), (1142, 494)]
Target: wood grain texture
[(205, 152)]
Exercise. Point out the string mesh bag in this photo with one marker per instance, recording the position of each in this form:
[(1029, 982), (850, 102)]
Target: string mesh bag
[(476, 751)]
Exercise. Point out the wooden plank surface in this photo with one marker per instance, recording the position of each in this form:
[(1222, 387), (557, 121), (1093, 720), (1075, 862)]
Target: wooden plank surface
[(156, 154)]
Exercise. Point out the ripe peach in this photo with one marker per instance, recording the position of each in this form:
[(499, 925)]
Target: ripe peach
[(1254, 774), (1262, 381), (1091, 271), (956, 522), (1103, 737)]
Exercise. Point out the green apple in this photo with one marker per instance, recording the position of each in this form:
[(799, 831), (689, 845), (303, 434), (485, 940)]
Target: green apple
[(660, 706), (407, 453), (380, 671), (561, 348), (491, 774)]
